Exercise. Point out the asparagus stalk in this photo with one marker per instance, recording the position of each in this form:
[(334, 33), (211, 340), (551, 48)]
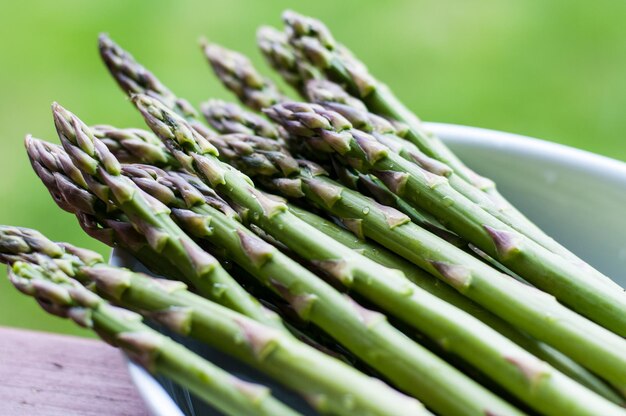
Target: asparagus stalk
[(151, 218), (134, 146), (228, 117), (283, 58), (241, 77), (325, 382), (315, 41), (134, 78), (65, 297), (361, 331), (543, 317)]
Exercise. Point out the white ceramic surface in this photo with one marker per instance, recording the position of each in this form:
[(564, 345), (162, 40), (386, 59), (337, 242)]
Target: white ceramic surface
[(576, 196)]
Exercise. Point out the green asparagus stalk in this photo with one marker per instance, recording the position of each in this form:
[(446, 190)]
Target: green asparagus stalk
[(151, 218), (361, 331), (325, 382), (284, 59), (256, 91), (134, 78), (509, 310), (227, 117), (65, 297), (543, 317), (134, 146), (315, 41), (153, 93)]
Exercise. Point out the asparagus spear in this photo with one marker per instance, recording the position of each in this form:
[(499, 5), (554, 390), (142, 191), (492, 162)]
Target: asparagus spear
[(134, 78), (361, 331), (228, 117), (287, 61), (151, 218), (256, 91), (65, 297), (134, 146), (543, 316), (324, 381), (315, 41)]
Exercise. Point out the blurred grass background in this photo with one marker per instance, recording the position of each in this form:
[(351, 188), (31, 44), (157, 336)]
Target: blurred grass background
[(549, 69)]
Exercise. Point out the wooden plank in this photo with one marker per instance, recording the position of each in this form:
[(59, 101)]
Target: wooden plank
[(56, 375)]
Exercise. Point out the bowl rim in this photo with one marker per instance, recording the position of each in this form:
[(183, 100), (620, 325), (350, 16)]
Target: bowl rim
[(160, 403), (537, 148)]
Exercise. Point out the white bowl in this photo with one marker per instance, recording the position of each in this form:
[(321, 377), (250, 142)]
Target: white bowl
[(575, 196)]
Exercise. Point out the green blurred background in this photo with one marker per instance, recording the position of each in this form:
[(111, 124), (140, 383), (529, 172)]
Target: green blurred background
[(549, 69)]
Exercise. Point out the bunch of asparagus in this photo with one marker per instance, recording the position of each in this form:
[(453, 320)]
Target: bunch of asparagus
[(331, 243)]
